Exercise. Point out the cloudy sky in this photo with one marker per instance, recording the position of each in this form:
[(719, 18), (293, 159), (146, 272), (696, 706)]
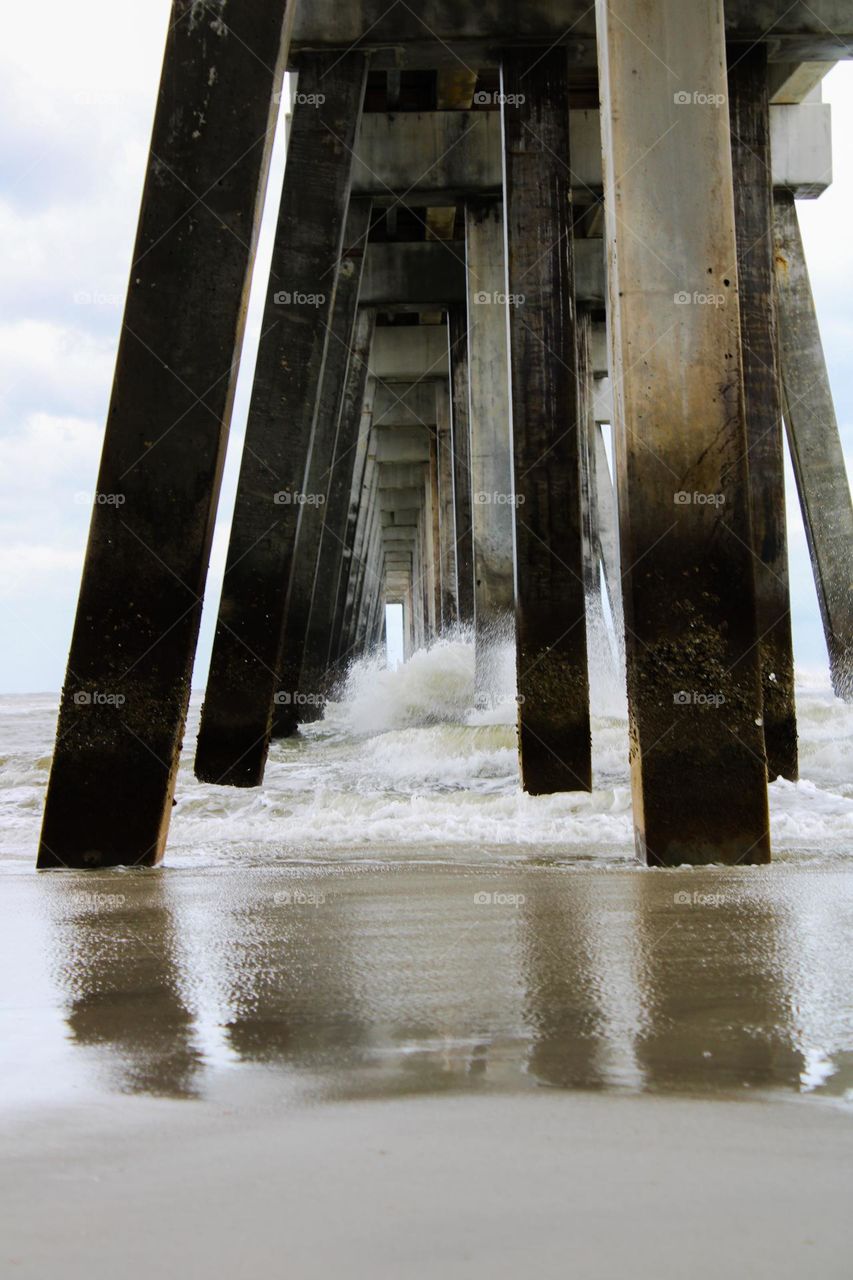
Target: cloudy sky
[(76, 113)]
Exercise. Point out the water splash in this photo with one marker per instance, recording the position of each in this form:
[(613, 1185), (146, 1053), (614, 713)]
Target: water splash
[(404, 767)]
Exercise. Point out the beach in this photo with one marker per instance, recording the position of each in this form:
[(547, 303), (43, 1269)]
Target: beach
[(388, 1016), (428, 1071)]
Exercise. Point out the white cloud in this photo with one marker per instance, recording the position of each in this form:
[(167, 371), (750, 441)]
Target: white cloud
[(29, 570), (54, 367)]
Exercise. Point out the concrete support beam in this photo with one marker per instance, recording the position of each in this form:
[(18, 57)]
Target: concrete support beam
[(364, 515), (602, 393), (349, 455), (447, 508), (606, 525), (801, 148), (791, 82), (697, 749), (373, 591), (815, 446), (367, 582), (409, 353), (433, 506), (237, 714), (321, 658), (553, 686), (289, 709), (750, 133), (404, 404), (489, 410), (601, 525), (112, 780), (395, 499), (821, 30), (402, 445), (400, 516), (431, 155), (402, 475), (587, 428), (461, 442), (422, 273), (432, 273), (441, 154)]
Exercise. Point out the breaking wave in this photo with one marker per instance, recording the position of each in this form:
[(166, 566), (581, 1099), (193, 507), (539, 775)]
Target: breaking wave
[(404, 767)]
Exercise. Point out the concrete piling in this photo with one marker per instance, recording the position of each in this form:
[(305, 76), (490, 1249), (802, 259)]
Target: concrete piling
[(237, 715), (489, 425), (553, 685), (291, 703), (749, 114), (433, 391), (124, 703), (697, 746), (815, 444)]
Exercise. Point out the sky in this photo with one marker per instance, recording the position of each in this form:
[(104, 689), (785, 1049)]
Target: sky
[(76, 113)]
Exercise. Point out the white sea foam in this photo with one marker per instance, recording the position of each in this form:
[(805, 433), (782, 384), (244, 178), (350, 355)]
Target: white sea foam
[(404, 767)]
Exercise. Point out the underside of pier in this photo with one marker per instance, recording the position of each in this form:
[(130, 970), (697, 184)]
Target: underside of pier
[(537, 333)]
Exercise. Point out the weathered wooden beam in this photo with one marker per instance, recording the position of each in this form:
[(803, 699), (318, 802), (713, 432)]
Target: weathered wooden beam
[(237, 714), (551, 660), (815, 446), (124, 703), (697, 748), (750, 133)]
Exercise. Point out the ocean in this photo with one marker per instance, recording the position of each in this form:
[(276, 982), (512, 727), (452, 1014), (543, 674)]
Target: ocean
[(404, 769)]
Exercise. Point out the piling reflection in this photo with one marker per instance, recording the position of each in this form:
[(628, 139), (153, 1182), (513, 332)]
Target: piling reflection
[(115, 961), (718, 999), (584, 1001), (432, 980), (285, 991)]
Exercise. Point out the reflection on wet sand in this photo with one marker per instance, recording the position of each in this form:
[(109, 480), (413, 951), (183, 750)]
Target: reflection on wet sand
[(419, 981), (114, 958)]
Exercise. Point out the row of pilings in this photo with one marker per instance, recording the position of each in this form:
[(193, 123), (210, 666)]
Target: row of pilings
[(536, 324)]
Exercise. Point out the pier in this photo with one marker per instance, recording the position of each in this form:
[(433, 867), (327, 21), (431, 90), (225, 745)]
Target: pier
[(538, 331)]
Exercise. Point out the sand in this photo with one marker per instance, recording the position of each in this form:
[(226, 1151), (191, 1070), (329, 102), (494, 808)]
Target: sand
[(427, 1071)]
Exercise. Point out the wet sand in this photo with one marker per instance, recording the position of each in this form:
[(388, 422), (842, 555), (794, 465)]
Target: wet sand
[(427, 1071)]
